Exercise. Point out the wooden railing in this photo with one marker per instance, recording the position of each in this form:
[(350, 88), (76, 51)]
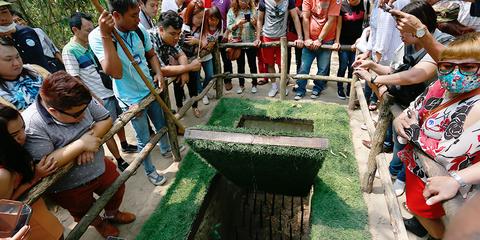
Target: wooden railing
[(36, 192)]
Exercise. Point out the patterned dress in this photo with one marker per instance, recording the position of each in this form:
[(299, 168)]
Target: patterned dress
[(442, 135)]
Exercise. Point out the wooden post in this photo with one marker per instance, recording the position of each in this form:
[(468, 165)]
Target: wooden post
[(217, 70), (353, 93), (396, 219), (385, 118), (364, 109), (102, 201), (283, 69), (172, 128)]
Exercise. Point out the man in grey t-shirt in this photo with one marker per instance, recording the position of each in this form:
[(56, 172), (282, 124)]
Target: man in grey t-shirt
[(65, 125), (271, 26)]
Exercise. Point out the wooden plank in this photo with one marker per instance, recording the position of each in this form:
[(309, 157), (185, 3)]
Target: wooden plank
[(228, 137), (364, 109), (217, 70), (396, 218), (277, 43), (187, 105)]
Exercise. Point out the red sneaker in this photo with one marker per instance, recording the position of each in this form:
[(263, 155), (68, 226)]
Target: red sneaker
[(105, 228), (122, 218)]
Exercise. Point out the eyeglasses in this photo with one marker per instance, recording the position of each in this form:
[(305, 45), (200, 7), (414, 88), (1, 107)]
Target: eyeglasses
[(74, 115), (467, 69)]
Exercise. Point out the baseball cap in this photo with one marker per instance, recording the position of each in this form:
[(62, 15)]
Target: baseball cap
[(4, 3)]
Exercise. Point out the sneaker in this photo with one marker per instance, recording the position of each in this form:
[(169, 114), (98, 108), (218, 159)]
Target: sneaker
[(399, 187), (122, 166), (156, 179), (254, 89), (105, 228), (240, 90), (314, 95), (121, 218), (169, 152), (205, 100), (414, 226), (298, 97), (286, 92), (341, 94), (130, 149), (273, 91)]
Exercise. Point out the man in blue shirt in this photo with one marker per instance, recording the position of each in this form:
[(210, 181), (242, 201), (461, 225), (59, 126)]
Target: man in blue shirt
[(127, 85)]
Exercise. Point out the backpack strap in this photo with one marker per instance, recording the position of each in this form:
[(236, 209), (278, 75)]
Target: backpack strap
[(140, 34)]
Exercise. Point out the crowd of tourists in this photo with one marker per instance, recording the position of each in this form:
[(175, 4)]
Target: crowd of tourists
[(55, 105)]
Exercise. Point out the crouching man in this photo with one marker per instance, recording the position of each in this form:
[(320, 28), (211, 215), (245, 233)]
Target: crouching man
[(66, 124)]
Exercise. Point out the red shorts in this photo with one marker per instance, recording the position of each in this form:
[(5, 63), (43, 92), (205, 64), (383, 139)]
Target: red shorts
[(271, 55), (416, 202)]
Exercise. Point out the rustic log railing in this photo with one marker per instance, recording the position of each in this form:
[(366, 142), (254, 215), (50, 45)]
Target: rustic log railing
[(171, 127)]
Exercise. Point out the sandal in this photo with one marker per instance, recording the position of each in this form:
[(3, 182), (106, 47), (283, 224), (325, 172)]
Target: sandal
[(196, 112), (262, 82), (372, 106)]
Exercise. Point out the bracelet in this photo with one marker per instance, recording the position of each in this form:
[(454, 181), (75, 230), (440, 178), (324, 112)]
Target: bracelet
[(457, 178)]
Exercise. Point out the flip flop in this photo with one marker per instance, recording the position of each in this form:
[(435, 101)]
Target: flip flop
[(262, 82)]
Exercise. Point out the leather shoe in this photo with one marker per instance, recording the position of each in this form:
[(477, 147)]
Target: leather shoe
[(385, 149), (414, 226), (105, 228), (122, 218)]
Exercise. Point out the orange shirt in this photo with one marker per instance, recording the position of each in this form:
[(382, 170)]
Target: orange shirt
[(319, 11)]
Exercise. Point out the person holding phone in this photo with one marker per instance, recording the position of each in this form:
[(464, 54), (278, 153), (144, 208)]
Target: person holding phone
[(242, 23), (18, 173), (444, 122)]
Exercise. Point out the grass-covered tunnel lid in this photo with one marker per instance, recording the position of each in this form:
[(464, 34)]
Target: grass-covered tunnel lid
[(261, 160)]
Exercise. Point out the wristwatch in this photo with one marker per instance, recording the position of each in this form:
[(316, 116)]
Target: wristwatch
[(457, 178), (373, 78), (420, 32)]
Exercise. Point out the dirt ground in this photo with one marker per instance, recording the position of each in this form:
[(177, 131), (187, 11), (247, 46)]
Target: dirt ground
[(141, 197)]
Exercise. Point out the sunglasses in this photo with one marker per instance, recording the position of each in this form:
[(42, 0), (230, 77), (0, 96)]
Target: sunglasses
[(74, 115), (467, 69)]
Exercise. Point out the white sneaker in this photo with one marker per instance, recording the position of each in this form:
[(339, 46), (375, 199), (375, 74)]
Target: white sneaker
[(298, 97), (399, 187), (273, 91), (205, 100), (254, 89), (240, 90), (314, 95)]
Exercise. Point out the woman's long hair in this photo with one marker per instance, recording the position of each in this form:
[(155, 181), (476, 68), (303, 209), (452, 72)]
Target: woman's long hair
[(13, 156), (236, 6)]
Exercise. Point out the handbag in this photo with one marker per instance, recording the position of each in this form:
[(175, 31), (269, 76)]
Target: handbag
[(234, 53)]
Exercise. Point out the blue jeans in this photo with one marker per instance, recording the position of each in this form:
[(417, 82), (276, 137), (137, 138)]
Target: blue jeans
[(140, 125), (397, 167), (208, 69), (323, 68), (345, 61)]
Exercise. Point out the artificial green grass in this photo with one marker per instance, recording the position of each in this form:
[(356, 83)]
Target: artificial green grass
[(338, 209)]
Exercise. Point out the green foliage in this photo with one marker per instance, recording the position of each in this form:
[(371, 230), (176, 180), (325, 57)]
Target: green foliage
[(338, 208), (52, 15)]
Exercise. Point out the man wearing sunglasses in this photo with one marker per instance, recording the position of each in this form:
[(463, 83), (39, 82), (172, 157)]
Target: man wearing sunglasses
[(66, 124)]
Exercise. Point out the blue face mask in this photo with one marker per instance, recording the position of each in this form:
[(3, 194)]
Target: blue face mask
[(456, 82)]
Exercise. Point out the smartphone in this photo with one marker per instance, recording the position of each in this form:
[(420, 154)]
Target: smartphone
[(386, 7), (248, 17), (13, 216)]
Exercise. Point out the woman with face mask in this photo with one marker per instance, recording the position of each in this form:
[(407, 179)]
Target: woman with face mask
[(444, 122)]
